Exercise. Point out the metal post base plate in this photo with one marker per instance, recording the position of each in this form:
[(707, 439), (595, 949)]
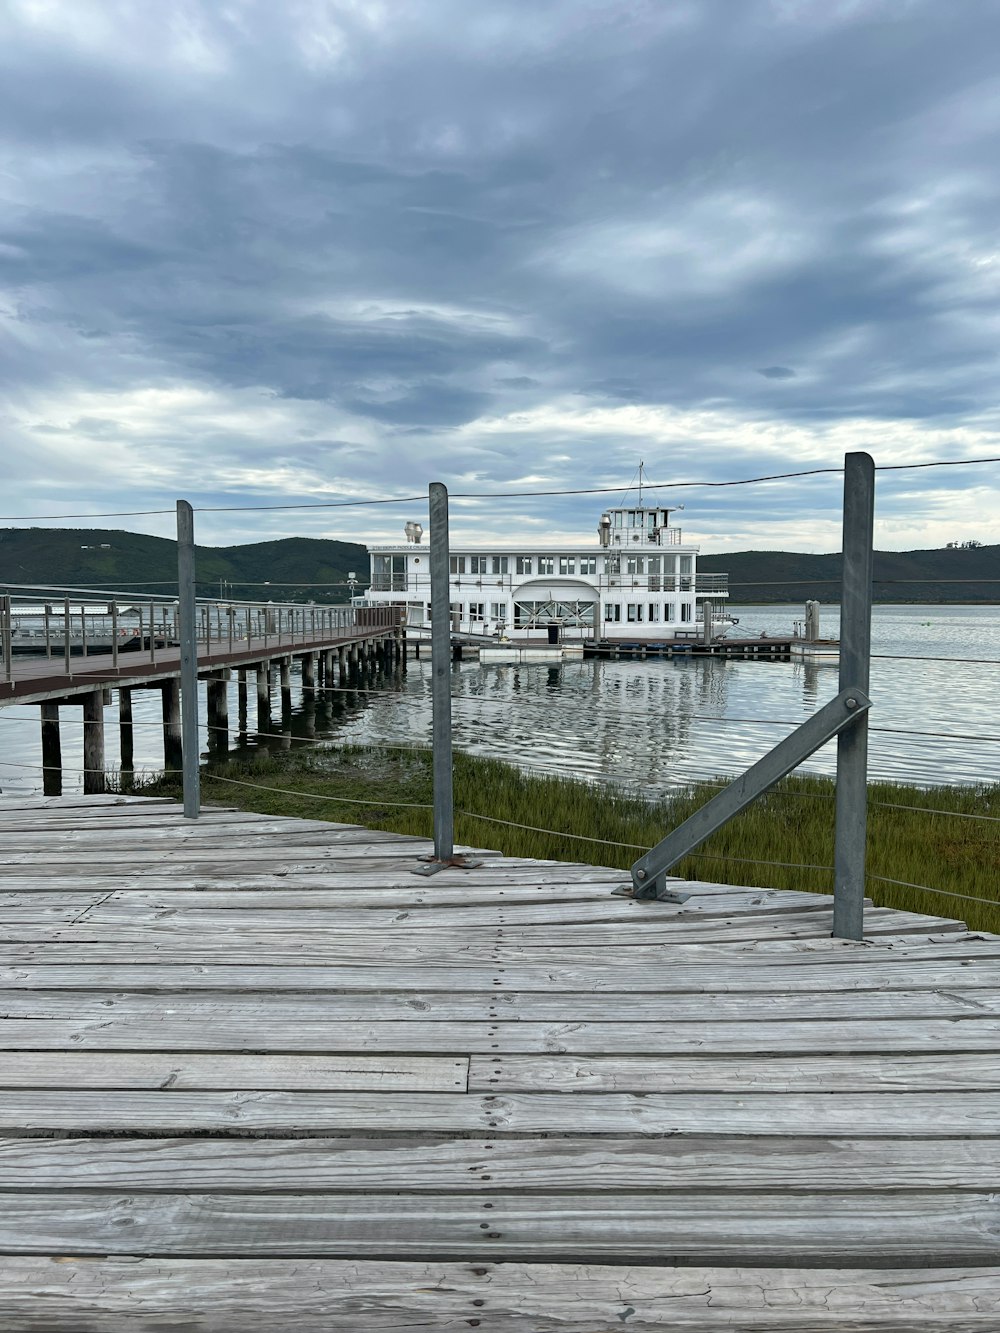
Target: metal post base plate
[(432, 865)]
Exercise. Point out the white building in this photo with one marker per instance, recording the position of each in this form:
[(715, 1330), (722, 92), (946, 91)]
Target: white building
[(639, 582)]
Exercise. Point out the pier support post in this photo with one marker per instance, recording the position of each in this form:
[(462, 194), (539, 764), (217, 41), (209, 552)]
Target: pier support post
[(855, 667), (93, 743), (309, 673), (263, 696), (126, 733), (51, 750), (241, 699), (285, 678), (217, 698), (173, 748)]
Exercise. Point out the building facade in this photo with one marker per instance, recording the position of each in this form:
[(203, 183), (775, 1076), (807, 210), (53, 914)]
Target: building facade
[(638, 582)]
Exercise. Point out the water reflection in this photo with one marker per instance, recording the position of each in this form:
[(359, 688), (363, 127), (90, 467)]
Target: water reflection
[(648, 724)]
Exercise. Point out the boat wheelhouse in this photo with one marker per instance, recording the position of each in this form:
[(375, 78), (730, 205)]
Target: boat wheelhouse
[(638, 583)]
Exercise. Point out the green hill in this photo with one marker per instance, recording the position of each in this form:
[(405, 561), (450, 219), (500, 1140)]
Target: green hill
[(114, 560), (948, 575), (109, 559)]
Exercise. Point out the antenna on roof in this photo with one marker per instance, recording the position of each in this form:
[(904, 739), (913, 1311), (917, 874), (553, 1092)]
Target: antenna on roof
[(641, 466)]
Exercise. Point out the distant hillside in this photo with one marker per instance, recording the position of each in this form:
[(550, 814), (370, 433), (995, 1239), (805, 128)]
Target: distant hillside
[(99, 558), (948, 575), (96, 558)]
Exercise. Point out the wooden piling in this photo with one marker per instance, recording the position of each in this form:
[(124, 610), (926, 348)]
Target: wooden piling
[(173, 751), (51, 749), (93, 743), (263, 696), (217, 698), (241, 699), (126, 731)]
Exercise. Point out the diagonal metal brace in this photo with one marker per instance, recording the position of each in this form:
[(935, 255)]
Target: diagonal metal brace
[(649, 872)]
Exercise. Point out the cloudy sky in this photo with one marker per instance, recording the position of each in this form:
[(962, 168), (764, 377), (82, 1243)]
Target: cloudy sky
[(256, 253)]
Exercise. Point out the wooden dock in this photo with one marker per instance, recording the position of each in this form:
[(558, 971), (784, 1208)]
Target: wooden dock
[(341, 646), (257, 1074)]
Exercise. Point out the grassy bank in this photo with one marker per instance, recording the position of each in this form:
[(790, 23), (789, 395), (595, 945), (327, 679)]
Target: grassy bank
[(936, 838)]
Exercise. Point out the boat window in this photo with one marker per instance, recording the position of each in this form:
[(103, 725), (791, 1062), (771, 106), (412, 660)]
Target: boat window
[(567, 564), (500, 563), (588, 564), (546, 564), (458, 564), (524, 564)]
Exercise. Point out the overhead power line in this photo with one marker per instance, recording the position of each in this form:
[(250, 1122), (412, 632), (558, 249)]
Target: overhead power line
[(496, 495)]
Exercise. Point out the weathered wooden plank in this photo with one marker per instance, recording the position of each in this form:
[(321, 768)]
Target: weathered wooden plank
[(365, 871), (155, 878), (304, 1295), (94, 801), (805, 1073), (327, 1073), (970, 986), (201, 836), (544, 942), (853, 1115), (276, 897), (930, 1228), (457, 1004), (572, 903), (741, 956), (256, 1025), (418, 912), (429, 1161)]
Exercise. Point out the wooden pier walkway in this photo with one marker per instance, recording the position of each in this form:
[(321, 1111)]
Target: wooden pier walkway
[(36, 679), (256, 1074)]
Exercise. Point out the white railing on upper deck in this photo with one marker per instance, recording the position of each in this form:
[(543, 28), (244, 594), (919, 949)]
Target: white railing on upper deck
[(419, 584)]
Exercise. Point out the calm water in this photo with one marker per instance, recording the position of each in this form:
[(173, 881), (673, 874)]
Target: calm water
[(649, 724)]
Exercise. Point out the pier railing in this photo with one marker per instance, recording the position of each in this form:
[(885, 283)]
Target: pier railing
[(65, 624)]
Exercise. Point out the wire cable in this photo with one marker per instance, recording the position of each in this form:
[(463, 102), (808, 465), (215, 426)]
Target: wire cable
[(944, 893), (497, 495)]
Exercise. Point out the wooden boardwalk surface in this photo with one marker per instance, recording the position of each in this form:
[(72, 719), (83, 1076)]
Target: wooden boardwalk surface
[(258, 1074)]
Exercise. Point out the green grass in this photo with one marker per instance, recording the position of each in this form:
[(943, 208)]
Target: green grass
[(783, 841)]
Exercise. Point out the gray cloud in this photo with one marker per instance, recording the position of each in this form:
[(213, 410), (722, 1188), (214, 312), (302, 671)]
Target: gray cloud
[(363, 250)]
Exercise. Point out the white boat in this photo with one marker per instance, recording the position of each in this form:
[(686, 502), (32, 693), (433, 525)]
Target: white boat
[(638, 583)]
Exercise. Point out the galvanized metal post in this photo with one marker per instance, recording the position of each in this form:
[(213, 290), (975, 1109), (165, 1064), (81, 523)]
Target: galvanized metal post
[(444, 809), (186, 615), (7, 637), (855, 662)]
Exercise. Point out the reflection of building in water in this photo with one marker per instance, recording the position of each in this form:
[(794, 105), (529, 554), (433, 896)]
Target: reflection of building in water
[(639, 582)]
